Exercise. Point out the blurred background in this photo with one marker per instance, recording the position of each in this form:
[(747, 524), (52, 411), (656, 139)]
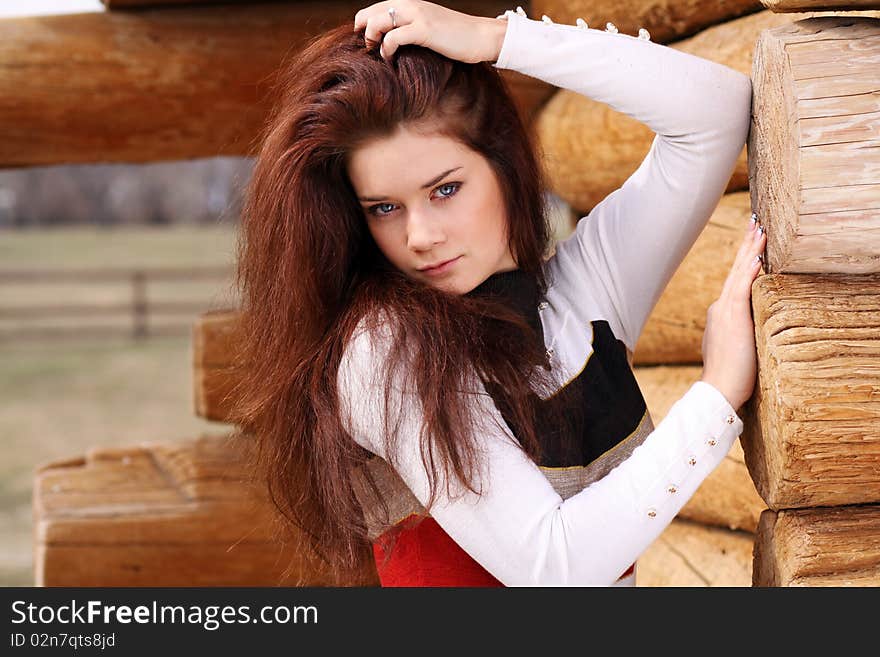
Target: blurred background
[(88, 355)]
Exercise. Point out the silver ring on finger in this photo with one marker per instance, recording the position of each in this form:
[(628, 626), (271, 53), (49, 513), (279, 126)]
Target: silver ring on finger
[(393, 12)]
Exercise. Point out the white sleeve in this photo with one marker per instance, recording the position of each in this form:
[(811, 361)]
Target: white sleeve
[(625, 251), (519, 528)]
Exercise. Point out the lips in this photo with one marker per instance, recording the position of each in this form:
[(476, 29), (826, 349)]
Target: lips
[(441, 269), (438, 265)]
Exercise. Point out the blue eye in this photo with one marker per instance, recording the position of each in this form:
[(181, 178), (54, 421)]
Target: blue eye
[(375, 211), (454, 191)]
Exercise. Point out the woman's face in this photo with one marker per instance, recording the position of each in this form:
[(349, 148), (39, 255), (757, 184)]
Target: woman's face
[(429, 199)]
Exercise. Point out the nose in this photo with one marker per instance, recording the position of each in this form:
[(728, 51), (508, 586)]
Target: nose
[(423, 232)]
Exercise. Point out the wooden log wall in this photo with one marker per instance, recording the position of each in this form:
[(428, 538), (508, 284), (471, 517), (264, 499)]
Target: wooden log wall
[(818, 5), (167, 514), (163, 84), (131, 4), (812, 428), (818, 547), (814, 144), (666, 20)]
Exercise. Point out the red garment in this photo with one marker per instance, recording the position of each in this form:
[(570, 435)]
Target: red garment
[(425, 555)]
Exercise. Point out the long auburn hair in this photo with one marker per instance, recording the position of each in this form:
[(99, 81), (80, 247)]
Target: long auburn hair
[(309, 272)]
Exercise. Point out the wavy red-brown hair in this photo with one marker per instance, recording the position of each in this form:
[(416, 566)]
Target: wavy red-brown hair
[(309, 272)]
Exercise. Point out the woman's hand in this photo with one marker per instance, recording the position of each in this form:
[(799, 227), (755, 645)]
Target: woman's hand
[(729, 353), (459, 36)]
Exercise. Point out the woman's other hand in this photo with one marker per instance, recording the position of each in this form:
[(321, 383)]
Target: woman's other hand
[(459, 36), (729, 353)]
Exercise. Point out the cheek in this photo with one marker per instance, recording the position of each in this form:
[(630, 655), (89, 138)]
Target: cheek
[(387, 239), (497, 228), (493, 206)]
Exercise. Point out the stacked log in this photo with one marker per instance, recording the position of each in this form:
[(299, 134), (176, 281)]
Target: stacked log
[(804, 5), (665, 20), (169, 83), (813, 435), (812, 429), (187, 513), (815, 164), (818, 547)]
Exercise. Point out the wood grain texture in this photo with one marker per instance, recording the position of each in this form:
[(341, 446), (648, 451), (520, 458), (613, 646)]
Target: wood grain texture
[(167, 514), (214, 336), (814, 145), (163, 84), (818, 5), (818, 547), (690, 554), (666, 20), (812, 427)]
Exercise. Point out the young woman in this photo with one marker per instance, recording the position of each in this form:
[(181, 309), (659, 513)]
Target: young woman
[(423, 375)]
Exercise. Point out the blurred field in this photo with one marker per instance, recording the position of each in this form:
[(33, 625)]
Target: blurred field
[(61, 397)]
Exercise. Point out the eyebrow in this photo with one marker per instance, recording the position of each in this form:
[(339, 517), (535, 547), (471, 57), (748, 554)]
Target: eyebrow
[(434, 181)]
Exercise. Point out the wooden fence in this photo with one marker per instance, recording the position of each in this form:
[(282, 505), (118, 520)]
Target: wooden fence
[(139, 307)]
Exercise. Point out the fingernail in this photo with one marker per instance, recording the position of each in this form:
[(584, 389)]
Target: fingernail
[(754, 220), (761, 230)]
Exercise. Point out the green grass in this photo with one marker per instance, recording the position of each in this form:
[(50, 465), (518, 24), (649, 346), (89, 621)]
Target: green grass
[(90, 248), (117, 247), (63, 397)]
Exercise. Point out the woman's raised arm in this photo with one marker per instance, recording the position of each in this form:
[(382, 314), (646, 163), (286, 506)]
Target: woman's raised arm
[(624, 252)]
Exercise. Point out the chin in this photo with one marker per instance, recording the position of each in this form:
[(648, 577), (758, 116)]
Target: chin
[(450, 285)]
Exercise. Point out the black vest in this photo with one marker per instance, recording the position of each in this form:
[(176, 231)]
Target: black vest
[(611, 405)]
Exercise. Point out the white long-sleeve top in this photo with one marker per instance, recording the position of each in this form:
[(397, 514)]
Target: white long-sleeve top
[(614, 267)]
